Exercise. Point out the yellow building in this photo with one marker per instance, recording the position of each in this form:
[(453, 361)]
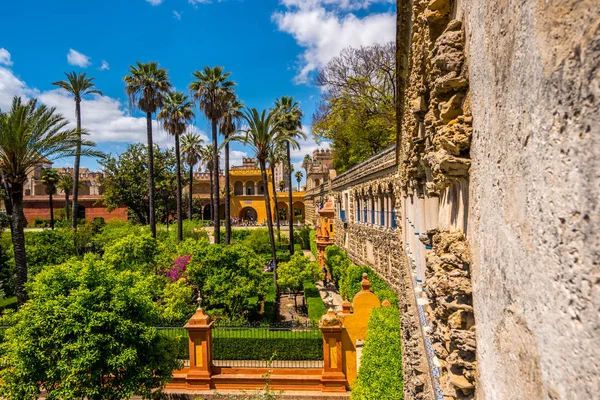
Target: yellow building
[(248, 201)]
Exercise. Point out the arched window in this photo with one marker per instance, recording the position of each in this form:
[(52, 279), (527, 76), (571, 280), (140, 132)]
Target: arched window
[(249, 188)]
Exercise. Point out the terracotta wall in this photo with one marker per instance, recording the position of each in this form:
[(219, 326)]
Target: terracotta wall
[(39, 208)]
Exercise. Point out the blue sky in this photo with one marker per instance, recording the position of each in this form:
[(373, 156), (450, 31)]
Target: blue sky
[(272, 48)]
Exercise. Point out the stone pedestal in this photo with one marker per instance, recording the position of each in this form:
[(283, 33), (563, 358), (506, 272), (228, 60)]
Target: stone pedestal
[(200, 340), (333, 378)]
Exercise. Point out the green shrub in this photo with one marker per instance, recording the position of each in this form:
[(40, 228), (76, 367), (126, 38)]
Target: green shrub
[(134, 252), (177, 303), (48, 247), (115, 230), (291, 275), (302, 236), (240, 234), (314, 303), (313, 244), (270, 310), (380, 373), (262, 344), (298, 248), (258, 241), (337, 263)]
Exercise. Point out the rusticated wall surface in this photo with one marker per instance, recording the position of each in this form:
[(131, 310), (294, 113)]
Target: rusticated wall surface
[(534, 196)]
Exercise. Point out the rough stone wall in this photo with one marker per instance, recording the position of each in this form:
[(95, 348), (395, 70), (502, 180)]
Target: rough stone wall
[(534, 196)]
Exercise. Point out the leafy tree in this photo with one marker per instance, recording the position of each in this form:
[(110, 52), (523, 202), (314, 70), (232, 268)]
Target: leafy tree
[(124, 177), (175, 116), (299, 177), (263, 133), (229, 125), (214, 91), (227, 276), (295, 272), (86, 332), (133, 252), (177, 303), (29, 134), (79, 85), (290, 116), (146, 86), (191, 148), (357, 110), (50, 179), (66, 183), (47, 247), (276, 155)]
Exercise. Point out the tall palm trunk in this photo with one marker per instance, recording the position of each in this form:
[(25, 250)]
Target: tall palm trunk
[(190, 197), (275, 200), (212, 190), (216, 199), (263, 172), (18, 239), (178, 172), (74, 206), (227, 198), (152, 214), (67, 205), (290, 198), (51, 208)]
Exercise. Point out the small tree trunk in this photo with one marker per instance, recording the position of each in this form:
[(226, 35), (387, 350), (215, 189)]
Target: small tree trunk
[(51, 209), (66, 205), (75, 209), (216, 199), (290, 198), (275, 200), (18, 240), (212, 196), (227, 197), (190, 197), (179, 211), (152, 213), (265, 181)]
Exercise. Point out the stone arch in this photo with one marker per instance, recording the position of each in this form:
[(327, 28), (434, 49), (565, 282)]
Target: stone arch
[(299, 211), (248, 213), (282, 211), (250, 188), (238, 188)]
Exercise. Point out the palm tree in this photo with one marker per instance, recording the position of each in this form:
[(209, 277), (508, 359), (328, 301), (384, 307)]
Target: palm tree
[(66, 184), (30, 134), (50, 178), (206, 157), (146, 86), (213, 91), (191, 146), (79, 86), (290, 116), (275, 156), (262, 133), (299, 177), (229, 125), (177, 113)]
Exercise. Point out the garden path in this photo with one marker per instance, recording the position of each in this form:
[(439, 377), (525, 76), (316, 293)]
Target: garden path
[(329, 293)]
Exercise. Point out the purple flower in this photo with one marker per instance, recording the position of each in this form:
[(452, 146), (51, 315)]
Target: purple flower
[(178, 268)]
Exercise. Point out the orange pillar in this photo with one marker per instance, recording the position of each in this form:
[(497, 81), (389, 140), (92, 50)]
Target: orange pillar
[(200, 339), (333, 378)]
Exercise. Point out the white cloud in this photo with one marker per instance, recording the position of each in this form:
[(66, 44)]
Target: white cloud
[(325, 27), (106, 119), (177, 15), (5, 57), (154, 2), (196, 2), (104, 66), (79, 59)]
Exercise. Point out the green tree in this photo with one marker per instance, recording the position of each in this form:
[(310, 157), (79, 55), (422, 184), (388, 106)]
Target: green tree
[(357, 112), (50, 179), (213, 90), (177, 303), (295, 272), (206, 157), (290, 116), (133, 252), (262, 134), (30, 134), (66, 183), (125, 174), (86, 332), (299, 177), (79, 85), (229, 126), (146, 86), (227, 276), (191, 148), (175, 116)]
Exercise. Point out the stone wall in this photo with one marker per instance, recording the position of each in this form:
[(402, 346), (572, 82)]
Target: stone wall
[(534, 196)]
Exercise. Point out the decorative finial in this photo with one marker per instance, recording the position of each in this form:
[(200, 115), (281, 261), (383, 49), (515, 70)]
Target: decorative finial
[(199, 300), (365, 284)]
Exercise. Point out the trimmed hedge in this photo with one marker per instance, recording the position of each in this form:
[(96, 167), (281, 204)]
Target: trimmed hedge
[(262, 344), (314, 302), (347, 276), (270, 305), (380, 374), (313, 244)]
